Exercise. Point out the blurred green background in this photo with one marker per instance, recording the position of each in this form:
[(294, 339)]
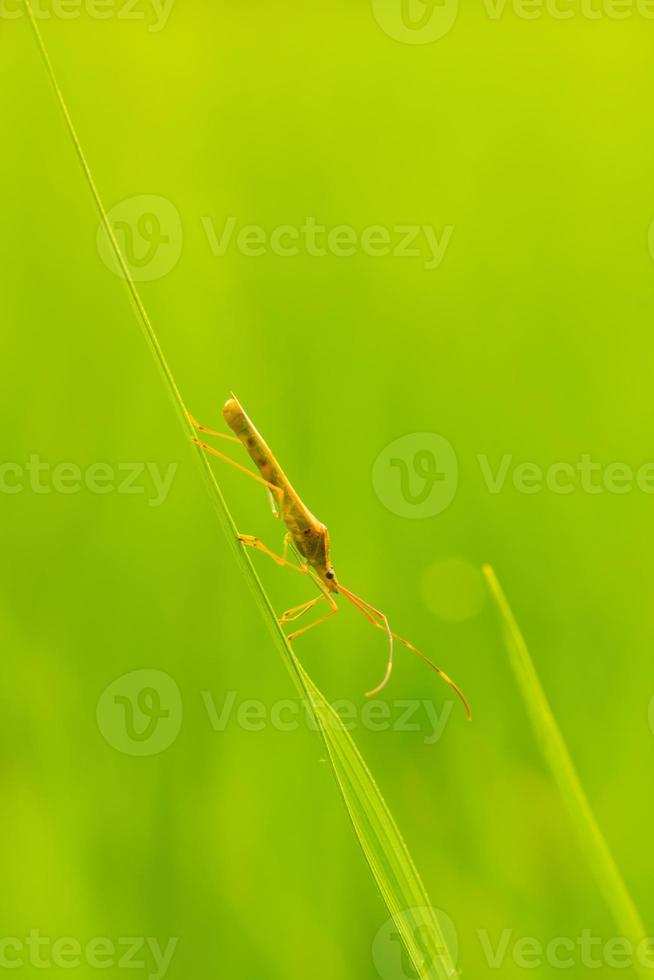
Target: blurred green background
[(530, 139)]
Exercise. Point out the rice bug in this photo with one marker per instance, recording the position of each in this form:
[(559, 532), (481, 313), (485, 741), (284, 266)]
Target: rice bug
[(306, 536)]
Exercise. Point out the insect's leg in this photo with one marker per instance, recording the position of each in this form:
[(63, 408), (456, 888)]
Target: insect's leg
[(232, 462), (292, 614), (305, 629), (274, 505), (251, 542), (274, 493), (288, 541), (212, 432)]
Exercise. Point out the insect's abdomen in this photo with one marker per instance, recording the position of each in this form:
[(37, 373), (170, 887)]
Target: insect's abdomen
[(309, 535), (259, 452)]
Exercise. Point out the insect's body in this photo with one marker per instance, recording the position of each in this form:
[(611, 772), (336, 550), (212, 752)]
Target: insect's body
[(309, 536)]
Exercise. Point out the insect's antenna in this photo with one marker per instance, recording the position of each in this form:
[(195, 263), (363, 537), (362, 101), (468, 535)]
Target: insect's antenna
[(367, 611), (441, 673)]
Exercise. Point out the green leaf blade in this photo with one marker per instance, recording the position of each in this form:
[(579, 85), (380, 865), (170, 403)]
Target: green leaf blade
[(562, 768), (383, 847)]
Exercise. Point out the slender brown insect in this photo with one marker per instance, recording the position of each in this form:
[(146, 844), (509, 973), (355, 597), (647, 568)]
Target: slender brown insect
[(306, 536)]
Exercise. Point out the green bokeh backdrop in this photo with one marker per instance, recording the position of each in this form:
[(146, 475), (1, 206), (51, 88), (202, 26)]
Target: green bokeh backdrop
[(532, 138)]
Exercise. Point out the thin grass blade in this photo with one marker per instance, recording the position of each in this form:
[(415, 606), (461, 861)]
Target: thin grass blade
[(557, 756), (384, 849)]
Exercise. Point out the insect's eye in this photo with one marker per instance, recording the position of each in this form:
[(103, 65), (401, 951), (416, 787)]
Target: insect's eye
[(307, 530), (330, 574)]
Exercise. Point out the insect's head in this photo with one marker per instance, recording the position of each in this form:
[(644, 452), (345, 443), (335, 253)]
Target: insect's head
[(312, 542), (324, 563)]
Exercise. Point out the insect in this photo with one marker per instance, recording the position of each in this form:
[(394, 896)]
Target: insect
[(306, 537)]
